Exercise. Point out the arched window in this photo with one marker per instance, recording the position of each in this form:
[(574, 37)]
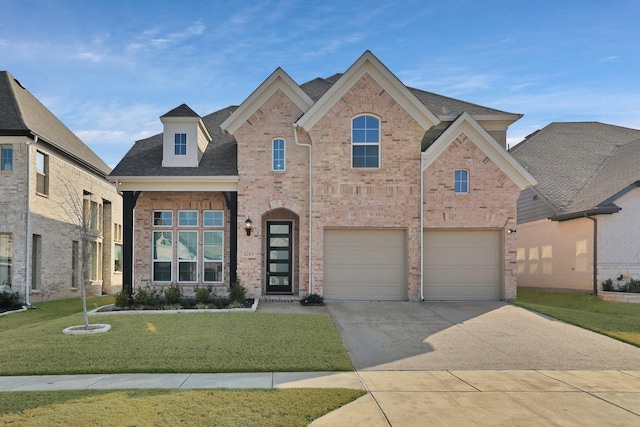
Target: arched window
[(365, 142), (461, 181)]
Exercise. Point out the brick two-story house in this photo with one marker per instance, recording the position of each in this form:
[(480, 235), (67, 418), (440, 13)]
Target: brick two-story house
[(49, 182), (355, 187)]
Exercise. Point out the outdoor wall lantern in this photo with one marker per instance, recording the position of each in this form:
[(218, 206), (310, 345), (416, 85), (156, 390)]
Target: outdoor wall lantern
[(511, 230), (247, 226)]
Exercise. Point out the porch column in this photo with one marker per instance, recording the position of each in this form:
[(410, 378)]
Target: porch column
[(231, 200), (129, 199)]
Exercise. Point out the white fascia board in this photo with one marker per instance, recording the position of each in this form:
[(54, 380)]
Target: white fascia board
[(369, 64), (176, 183), (278, 80), (483, 140), (499, 121)]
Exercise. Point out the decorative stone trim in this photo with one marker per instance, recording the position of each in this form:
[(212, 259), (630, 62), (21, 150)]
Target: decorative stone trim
[(626, 297), (94, 328)]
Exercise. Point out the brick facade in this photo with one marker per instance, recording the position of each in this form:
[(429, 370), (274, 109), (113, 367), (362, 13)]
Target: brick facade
[(54, 219)]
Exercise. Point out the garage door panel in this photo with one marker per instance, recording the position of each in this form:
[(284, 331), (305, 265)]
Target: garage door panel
[(365, 264), (462, 265)]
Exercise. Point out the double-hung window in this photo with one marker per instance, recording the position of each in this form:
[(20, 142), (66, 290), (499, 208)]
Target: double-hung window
[(180, 144), (461, 181), (365, 142), (213, 247), (187, 247), (279, 155), (42, 173), (6, 263), (162, 246), (6, 158)]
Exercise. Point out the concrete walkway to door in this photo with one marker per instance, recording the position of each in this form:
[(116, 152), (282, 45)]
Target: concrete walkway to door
[(406, 336)]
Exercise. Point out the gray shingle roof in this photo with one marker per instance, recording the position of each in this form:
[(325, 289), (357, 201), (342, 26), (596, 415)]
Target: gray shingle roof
[(145, 158), (21, 113), (219, 159), (580, 165)]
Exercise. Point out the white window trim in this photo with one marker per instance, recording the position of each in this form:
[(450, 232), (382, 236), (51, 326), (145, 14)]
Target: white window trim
[(455, 181), (284, 155), (188, 210), (154, 260), (366, 143), (3, 160), (212, 210), (153, 218), (175, 144), (190, 261), (221, 260)]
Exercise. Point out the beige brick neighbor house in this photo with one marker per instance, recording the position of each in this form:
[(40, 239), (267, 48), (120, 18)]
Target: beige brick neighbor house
[(354, 187), (49, 181)]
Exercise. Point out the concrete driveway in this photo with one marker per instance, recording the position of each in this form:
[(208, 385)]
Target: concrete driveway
[(470, 336)]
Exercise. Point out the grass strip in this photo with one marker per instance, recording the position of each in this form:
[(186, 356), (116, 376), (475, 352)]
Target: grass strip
[(274, 407), (613, 319)]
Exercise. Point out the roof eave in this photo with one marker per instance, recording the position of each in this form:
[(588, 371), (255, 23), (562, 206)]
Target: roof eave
[(598, 210)]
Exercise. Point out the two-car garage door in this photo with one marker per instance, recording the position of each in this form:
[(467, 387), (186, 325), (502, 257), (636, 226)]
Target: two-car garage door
[(370, 265), (365, 264)]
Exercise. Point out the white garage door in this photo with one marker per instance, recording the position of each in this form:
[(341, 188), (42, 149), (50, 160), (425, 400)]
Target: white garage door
[(462, 265), (365, 264)]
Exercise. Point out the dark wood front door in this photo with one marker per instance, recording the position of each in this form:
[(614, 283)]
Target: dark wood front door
[(279, 257)]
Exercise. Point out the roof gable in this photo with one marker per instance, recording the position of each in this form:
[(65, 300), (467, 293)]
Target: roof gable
[(369, 64), (278, 80), (21, 113), (485, 142)]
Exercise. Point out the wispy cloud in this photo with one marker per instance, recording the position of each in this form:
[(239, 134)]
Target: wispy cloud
[(154, 39)]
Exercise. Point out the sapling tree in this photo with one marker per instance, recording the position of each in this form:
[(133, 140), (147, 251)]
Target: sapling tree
[(79, 212)]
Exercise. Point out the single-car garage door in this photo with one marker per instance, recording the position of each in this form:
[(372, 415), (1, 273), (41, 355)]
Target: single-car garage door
[(365, 264), (462, 265)]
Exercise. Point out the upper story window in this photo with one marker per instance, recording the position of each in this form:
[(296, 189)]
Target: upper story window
[(180, 144), (163, 218), (42, 173), (187, 218), (279, 155), (461, 181), (6, 158), (365, 142)]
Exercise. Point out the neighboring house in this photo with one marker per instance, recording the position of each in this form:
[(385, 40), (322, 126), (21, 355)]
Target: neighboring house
[(579, 225), (49, 179), (354, 187)]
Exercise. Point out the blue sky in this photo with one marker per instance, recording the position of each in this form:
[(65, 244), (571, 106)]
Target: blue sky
[(108, 69)]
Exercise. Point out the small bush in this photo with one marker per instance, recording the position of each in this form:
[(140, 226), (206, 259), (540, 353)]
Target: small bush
[(632, 285), (237, 293), (122, 299), (607, 285), (172, 294), (9, 299), (203, 295)]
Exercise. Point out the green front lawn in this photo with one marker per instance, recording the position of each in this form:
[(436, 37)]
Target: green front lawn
[(33, 343), (616, 320)]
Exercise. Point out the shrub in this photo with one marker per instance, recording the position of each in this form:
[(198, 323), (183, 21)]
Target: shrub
[(172, 294), (632, 285), (607, 285), (237, 293), (203, 295), (9, 299), (312, 299), (147, 297), (122, 299)]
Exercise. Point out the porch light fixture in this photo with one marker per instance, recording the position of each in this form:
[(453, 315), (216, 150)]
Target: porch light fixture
[(511, 230), (247, 226)]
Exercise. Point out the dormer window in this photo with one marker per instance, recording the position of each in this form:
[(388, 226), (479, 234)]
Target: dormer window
[(180, 144), (365, 142)]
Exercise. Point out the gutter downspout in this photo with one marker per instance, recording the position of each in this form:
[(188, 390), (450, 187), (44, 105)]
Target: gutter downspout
[(421, 227), (295, 137), (27, 275), (595, 253)]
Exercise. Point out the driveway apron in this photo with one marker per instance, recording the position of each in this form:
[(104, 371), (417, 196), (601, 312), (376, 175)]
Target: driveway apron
[(470, 336)]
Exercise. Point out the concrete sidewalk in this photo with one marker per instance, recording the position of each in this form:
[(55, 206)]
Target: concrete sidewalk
[(410, 398)]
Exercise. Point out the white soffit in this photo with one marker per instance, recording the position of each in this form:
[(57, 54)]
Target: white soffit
[(483, 140), (278, 80), (176, 183), (369, 64)]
